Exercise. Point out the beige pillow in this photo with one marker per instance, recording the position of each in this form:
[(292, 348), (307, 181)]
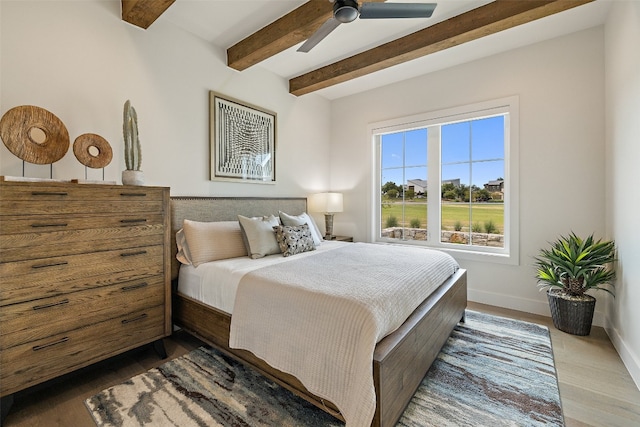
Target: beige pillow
[(212, 241), (259, 235), (303, 218)]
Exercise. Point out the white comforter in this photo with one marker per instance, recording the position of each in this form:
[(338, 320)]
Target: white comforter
[(319, 318)]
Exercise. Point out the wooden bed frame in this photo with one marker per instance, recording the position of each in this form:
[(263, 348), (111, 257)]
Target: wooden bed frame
[(400, 360)]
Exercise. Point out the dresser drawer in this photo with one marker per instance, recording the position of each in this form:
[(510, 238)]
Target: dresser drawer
[(37, 224), (42, 278), (36, 237), (29, 364), (62, 198), (34, 320)]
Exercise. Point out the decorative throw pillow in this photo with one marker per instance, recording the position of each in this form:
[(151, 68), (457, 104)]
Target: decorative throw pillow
[(294, 239), (303, 218), (260, 237), (211, 241)]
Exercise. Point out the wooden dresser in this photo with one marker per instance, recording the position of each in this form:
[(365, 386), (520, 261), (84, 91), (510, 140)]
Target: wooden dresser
[(84, 275)]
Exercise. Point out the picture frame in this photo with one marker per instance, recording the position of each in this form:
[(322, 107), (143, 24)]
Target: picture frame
[(243, 141)]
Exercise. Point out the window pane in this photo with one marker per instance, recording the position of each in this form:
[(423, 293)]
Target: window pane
[(416, 148), (472, 171), (403, 208), (488, 208), (392, 150), (488, 138), (392, 177), (455, 215), (456, 138), (415, 204)]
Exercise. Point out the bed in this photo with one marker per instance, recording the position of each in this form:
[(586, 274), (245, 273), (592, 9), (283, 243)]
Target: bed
[(400, 359)]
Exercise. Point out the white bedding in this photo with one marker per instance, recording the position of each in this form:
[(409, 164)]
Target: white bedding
[(215, 283), (320, 317), (331, 355)]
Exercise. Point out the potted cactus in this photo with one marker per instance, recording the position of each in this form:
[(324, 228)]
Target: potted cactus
[(132, 152), (569, 268)]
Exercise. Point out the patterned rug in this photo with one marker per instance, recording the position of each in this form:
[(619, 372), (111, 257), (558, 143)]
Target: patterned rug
[(492, 371)]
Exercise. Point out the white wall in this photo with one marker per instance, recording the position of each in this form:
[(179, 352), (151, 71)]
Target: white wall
[(622, 65), (81, 62), (560, 84)]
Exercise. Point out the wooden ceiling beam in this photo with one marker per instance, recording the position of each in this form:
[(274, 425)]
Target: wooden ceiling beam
[(480, 22), (142, 13), (289, 30)]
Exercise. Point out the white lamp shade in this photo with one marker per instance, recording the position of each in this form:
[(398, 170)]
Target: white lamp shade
[(325, 202)]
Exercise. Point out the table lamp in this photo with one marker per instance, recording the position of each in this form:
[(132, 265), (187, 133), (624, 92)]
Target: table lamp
[(327, 203)]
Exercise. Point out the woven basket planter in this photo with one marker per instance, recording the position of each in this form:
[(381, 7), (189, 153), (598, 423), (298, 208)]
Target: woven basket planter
[(571, 315)]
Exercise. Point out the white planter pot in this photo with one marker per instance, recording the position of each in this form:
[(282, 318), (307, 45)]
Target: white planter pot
[(130, 177)]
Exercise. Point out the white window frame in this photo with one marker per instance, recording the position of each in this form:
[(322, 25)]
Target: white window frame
[(510, 253)]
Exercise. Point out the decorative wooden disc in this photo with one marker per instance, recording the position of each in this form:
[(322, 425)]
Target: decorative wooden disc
[(34, 134), (92, 150)]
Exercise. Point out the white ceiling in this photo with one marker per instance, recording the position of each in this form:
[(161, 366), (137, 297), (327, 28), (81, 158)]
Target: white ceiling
[(225, 22)]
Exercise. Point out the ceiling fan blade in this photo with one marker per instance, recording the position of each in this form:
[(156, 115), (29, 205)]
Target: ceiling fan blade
[(396, 10), (322, 32)]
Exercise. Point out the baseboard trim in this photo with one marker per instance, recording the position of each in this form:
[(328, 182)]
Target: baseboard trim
[(523, 304), (629, 359)]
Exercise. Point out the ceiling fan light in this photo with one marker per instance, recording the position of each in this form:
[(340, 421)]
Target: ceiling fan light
[(345, 10)]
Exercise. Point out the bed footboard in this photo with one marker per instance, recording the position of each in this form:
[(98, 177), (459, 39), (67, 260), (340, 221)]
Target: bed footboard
[(402, 359)]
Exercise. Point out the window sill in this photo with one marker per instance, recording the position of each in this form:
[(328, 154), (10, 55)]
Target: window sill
[(460, 254)]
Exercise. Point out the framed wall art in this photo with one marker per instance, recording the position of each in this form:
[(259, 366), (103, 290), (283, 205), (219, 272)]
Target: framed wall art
[(243, 141)]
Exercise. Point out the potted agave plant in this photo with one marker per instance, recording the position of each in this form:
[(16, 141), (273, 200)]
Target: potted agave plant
[(132, 151), (567, 270)]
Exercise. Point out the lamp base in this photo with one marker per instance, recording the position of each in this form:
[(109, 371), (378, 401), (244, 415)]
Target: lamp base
[(328, 226)]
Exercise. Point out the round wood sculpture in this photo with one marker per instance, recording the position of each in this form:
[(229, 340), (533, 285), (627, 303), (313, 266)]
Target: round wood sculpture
[(34, 134), (92, 150)]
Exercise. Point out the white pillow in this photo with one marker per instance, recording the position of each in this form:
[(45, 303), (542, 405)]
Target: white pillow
[(259, 235), (302, 219), (212, 241)]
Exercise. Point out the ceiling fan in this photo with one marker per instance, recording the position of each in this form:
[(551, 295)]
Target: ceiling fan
[(345, 11)]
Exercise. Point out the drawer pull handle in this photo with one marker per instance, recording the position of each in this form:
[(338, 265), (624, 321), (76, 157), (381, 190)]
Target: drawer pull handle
[(133, 253), (49, 193), (53, 304), (53, 264), (133, 194), (51, 344), (129, 221), (48, 225), (135, 319), (132, 287)]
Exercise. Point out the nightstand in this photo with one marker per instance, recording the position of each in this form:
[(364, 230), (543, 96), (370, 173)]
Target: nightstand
[(343, 238)]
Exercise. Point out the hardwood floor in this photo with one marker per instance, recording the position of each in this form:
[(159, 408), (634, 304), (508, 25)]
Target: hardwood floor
[(60, 402), (595, 387)]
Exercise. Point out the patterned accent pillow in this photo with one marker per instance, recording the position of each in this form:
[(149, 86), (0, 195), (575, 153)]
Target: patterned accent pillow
[(294, 239), (303, 218)]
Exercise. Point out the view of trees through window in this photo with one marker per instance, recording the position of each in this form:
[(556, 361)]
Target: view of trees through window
[(469, 158)]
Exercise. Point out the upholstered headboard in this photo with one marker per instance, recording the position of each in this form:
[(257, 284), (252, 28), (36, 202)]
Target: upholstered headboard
[(208, 209)]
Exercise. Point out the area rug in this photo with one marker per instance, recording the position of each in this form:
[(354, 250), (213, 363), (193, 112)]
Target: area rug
[(492, 371)]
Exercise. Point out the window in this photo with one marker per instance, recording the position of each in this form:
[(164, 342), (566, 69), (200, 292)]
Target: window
[(448, 180)]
